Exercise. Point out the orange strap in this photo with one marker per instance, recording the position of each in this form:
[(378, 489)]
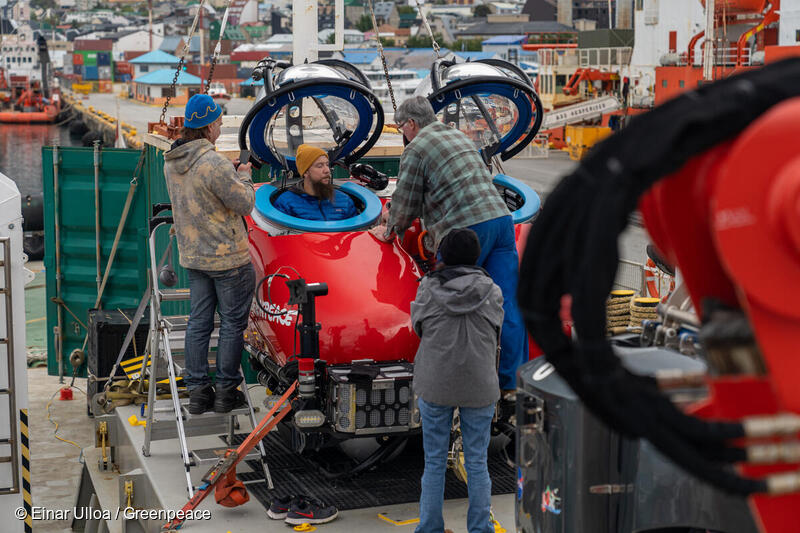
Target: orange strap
[(230, 492), (421, 245)]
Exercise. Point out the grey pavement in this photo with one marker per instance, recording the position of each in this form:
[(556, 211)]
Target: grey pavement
[(138, 114), (55, 465), (544, 174)]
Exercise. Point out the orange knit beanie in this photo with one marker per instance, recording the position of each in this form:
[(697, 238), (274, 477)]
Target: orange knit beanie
[(306, 155)]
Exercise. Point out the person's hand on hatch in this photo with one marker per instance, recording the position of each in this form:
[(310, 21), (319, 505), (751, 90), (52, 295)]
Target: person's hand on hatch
[(379, 232)]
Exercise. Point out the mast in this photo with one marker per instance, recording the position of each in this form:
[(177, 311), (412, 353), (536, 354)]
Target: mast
[(150, 22), (708, 49), (305, 46)]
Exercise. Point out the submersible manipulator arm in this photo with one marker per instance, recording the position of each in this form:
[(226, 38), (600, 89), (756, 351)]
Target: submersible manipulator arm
[(729, 217)]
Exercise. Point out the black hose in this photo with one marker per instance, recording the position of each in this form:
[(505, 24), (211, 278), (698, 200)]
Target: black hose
[(258, 292)]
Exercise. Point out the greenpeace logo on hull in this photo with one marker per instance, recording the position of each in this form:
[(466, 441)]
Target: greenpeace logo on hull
[(282, 319)]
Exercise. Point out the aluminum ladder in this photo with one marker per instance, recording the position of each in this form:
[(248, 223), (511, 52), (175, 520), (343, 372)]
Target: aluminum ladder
[(167, 419), (10, 388)]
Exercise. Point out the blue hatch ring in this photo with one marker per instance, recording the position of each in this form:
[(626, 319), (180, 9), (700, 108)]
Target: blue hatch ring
[(259, 115), (532, 202), (370, 214), (514, 90)]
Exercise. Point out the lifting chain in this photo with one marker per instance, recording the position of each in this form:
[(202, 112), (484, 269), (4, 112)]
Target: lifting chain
[(218, 47), (383, 57), (211, 72), (434, 44), (182, 60)]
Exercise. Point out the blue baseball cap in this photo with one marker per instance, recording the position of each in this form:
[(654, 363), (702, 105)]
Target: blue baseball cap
[(201, 110)]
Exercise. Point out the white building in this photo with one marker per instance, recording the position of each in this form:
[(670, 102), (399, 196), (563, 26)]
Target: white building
[(86, 5), (505, 8), (507, 47), (789, 33), (21, 12), (137, 40), (20, 55), (656, 23), (351, 36)]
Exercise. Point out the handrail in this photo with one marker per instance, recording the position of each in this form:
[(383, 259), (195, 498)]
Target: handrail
[(11, 389)]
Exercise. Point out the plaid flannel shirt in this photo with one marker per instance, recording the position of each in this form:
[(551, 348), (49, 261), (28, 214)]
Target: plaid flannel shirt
[(443, 179)]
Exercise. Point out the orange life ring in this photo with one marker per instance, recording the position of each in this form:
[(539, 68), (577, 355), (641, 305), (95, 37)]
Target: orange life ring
[(651, 281)]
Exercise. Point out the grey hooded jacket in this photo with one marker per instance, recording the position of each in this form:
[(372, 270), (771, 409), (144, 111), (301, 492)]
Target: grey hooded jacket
[(209, 199), (457, 314)]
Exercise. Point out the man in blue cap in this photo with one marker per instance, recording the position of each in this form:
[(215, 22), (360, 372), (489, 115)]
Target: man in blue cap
[(209, 198)]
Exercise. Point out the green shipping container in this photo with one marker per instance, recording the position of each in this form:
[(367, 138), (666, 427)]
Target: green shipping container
[(76, 218), (90, 59)]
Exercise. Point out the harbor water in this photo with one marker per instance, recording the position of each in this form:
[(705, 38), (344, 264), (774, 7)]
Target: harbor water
[(21, 152)]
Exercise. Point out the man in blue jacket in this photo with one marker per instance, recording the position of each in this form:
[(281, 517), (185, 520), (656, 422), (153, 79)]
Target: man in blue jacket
[(315, 198)]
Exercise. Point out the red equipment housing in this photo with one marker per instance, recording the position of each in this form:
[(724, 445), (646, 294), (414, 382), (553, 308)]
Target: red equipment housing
[(730, 220)]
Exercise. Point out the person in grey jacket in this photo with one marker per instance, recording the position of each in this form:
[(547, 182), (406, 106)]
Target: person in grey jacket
[(458, 314)]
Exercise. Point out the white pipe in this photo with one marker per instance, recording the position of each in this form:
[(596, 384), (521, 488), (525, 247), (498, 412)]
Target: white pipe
[(305, 42)]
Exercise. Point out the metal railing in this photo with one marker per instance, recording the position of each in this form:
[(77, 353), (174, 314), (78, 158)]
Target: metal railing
[(539, 148), (633, 276), (10, 389), (599, 58)]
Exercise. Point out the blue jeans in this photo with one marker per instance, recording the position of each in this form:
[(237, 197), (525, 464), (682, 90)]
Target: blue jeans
[(500, 259), (231, 291), (475, 431)]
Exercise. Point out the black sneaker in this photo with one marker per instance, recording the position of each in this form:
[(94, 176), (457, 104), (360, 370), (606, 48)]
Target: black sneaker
[(279, 506), (310, 511), (229, 399), (201, 399)]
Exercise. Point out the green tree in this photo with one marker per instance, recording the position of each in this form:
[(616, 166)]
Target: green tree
[(466, 45), (422, 40), (387, 43), (404, 10), (481, 10), (364, 23), (331, 38)]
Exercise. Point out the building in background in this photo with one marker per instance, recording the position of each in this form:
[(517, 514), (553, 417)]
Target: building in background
[(243, 11), (568, 11), (154, 87), (507, 47), (136, 40), (790, 25), (152, 62)]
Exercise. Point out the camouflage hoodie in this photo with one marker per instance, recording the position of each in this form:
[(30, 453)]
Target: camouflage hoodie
[(209, 199)]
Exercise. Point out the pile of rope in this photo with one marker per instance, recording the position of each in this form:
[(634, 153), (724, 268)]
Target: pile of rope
[(643, 309), (572, 250), (618, 309)]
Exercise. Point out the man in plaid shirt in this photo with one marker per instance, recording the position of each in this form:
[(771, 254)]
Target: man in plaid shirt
[(444, 181)]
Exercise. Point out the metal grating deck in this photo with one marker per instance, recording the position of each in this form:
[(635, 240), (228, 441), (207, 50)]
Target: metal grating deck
[(394, 482)]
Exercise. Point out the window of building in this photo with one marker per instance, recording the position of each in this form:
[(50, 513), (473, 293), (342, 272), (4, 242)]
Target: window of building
[(168, 91), (797, 36), (664, 83), (144, 68), (639, 5), (681, 84)]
